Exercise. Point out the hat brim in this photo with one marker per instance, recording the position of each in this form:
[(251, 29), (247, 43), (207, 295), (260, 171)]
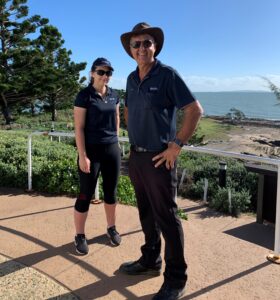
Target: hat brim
[(104, 65), (155, 32)]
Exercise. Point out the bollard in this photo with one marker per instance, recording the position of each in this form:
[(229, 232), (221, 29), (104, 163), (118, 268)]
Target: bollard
[(222, 173)]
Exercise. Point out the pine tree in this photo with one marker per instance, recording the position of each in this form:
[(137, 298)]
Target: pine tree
[(58, 80), (16, 53)]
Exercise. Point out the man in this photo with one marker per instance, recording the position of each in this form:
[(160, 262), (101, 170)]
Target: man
[(153, 93)]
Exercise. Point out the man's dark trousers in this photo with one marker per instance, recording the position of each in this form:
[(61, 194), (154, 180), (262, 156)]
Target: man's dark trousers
[(155, 190)]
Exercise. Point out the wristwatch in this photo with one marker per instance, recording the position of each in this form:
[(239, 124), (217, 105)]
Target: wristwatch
[(178, 142)]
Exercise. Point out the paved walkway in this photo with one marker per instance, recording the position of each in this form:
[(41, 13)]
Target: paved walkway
[(226, 256)]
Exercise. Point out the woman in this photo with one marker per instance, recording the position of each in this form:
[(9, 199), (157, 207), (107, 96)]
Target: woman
[(96, 117)]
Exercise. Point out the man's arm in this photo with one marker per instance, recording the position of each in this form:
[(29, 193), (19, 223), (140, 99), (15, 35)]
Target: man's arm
[(192, 115), (118, 119)]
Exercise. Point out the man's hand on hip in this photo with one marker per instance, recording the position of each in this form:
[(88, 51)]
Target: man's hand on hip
[(168, 156)]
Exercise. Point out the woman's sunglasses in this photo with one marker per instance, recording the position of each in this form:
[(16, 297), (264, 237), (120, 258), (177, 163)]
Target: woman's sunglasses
[(102, 72), (137, 44)]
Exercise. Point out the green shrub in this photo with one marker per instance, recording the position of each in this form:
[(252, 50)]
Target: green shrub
[(181, 214), (54, 166), (240, 201), (54, 170), (126, 192), (201, 166)]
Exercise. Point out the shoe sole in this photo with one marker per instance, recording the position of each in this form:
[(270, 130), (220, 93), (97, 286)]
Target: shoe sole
[(79, 252), (153, 273), (180, 296), (183, 294)]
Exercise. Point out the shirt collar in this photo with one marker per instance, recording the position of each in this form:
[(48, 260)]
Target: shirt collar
[(154, 70), (93, 90)]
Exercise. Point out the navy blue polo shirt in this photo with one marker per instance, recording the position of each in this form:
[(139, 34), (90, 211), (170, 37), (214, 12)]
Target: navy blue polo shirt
[(152, 105), (100, 124)]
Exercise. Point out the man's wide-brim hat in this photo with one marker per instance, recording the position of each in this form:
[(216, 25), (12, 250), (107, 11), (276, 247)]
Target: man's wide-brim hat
[(143, 28)]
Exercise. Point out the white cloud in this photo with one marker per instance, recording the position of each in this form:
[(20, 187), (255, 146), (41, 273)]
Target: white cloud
[(213, 84)]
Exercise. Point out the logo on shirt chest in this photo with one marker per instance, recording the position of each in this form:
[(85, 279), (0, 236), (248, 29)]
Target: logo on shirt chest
[(153, 89)]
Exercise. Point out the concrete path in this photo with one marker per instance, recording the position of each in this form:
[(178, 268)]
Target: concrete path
[(226, 256)]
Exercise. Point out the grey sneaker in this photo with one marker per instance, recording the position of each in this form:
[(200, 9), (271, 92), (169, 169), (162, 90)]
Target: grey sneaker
[(114, 236), (81, 244)]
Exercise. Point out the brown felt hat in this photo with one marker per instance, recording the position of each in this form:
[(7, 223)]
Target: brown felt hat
[(143, 28)]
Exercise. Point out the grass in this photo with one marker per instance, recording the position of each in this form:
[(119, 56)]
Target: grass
[(214, 130), (42, 121)]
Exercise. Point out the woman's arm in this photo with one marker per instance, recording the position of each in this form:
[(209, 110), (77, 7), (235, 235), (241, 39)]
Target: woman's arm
[(118, 119), (79, 121)]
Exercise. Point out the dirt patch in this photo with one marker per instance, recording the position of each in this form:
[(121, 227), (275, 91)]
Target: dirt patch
[(256, 140)]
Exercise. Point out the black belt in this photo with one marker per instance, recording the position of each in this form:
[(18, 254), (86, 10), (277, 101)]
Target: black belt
[(141, 149)]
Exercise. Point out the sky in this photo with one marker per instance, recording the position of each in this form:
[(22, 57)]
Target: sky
[(215, 45)]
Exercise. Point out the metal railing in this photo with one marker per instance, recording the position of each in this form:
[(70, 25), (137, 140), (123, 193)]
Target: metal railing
[(244, 157)]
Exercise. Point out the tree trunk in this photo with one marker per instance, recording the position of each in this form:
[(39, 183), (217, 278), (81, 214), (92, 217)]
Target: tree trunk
[(53, 109), (5, 109), (32, 108)]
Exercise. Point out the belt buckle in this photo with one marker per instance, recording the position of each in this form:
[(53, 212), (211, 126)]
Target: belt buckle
[(140, 149)]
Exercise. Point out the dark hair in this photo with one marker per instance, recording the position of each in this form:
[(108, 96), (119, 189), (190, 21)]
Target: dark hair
[(91, 81)]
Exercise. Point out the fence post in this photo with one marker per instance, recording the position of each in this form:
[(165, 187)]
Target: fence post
[(205, 190), (229, 201), (182, 178), (277, 219), (275, 257), (29, 161)]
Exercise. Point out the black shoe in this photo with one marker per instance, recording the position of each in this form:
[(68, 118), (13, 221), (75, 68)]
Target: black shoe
[(135, 268), (167, 292), (81, 244), (114, 236)]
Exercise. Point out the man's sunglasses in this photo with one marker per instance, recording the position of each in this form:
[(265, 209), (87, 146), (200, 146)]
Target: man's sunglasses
[(102, 72), (137, 44)]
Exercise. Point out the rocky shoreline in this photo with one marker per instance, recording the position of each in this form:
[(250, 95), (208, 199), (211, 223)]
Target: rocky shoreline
[(248, 122)]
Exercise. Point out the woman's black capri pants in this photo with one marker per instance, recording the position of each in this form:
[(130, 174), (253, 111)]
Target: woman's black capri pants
[(105, 159)]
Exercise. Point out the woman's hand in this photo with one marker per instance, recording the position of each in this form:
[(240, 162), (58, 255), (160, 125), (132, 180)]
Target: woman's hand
[(84, 164)]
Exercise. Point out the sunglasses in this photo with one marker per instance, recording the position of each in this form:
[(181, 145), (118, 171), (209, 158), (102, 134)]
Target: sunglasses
[(137, 44), (102, 72)]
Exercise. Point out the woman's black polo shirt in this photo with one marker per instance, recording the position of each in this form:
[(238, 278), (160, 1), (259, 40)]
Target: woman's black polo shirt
[(152, 105), (100, 124)]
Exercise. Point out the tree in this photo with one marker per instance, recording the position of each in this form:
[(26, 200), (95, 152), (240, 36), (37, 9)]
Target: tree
[(58, 79), (235, 114), (273, 88), (16, 54)]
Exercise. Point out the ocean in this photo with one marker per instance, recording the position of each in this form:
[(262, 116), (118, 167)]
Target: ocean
[(261, 105)]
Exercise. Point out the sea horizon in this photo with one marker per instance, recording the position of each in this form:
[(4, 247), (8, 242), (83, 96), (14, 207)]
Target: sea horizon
[(253, 104)]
